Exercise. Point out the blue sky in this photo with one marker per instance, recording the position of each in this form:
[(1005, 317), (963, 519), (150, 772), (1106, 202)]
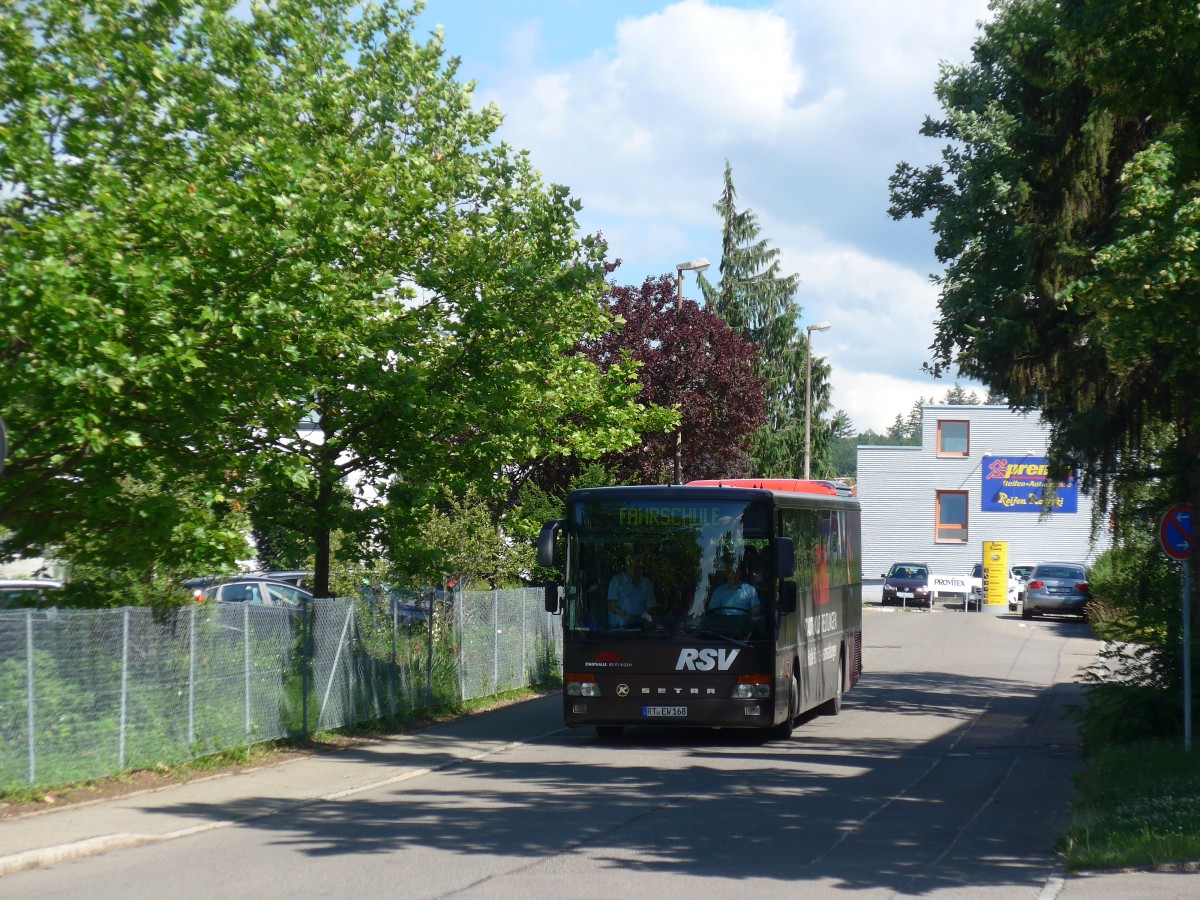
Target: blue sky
[(635, 106)]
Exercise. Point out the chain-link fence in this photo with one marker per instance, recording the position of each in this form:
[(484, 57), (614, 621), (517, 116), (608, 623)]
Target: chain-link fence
[(89, 693)]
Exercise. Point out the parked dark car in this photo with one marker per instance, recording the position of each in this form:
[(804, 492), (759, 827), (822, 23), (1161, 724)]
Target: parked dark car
[(386, 599), (255, 591), (1058, 588), (444, 592), (407, 605), (907, 583)]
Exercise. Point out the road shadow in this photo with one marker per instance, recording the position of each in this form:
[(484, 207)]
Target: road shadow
[(976, 806)]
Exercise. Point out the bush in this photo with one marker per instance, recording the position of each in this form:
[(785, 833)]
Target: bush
[(1137, 692)]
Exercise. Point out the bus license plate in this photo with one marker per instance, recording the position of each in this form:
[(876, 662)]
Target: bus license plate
[(673, 712)]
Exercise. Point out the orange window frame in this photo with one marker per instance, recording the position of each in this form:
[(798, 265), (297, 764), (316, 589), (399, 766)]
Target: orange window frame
[(954, 532), (941, 451)]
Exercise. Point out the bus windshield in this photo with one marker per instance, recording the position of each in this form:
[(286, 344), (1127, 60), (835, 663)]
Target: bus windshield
[(655, 569)]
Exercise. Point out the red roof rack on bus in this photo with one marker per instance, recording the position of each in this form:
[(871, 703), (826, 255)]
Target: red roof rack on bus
[(793, 485)]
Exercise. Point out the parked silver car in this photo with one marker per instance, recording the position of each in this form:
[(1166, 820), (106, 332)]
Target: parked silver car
[(16, 593), (256, 592), (1057, 588), (301, 578)]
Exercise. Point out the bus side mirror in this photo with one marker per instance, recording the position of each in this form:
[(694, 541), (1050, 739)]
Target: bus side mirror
[(787, 597), (785, 557), (553, 604), (546, 542)]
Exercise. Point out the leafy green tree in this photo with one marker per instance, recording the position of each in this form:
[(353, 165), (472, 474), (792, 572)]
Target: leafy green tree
[(757, 301), (1066, 208), (461, 540), (214, 227), (104, 325), (538, 504)]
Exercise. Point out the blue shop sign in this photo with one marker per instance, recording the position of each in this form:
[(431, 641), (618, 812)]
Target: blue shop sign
[(1017, 484)]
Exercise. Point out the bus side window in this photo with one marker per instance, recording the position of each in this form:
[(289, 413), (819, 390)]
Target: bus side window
[(805, 540)]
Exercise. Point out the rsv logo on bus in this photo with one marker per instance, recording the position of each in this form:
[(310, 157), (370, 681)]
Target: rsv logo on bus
[(705, 660)]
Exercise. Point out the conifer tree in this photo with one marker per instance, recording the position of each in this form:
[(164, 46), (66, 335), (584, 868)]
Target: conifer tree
[(758, 301)]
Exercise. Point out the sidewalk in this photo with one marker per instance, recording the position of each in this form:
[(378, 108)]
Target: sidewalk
[(51, 836)]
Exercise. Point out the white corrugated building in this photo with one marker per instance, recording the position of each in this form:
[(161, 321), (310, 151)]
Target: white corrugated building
[(977, 476)]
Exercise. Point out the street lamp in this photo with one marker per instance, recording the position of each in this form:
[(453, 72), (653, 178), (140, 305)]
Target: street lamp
[(695, 265), (820, 326)]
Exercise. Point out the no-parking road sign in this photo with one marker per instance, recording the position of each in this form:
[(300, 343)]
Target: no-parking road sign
[(1175, 532)]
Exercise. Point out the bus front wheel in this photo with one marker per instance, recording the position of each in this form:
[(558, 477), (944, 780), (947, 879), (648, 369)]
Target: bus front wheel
[(833, 705), (783, 730)]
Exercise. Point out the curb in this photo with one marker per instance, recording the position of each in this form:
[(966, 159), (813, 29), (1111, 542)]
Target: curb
[(31, 859)]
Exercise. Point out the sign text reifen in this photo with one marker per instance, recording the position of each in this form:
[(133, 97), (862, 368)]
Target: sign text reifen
[(1018, 484)]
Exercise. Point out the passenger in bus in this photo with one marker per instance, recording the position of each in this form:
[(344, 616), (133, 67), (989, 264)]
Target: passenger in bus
[(630, 596), (733, 596)]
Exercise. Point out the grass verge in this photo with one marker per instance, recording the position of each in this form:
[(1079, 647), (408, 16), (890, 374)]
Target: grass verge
[(1137, 806)]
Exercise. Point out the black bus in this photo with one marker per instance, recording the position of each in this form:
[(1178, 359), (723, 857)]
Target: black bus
[(746, 610)]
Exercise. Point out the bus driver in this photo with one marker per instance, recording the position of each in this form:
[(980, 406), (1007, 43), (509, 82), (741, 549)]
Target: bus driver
[(734, 597), (630, 596)]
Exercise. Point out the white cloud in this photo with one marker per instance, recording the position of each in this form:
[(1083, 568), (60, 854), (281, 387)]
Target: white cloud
[(693, 58), (881, 316), (812, 102), (652, 115), (873, 399)]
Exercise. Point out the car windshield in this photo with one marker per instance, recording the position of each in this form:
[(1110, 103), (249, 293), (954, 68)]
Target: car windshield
[(1065, 572), (1022, 571), (903, 571)]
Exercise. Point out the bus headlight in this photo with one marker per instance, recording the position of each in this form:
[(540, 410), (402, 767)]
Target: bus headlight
[(751, 687), (582, 685)]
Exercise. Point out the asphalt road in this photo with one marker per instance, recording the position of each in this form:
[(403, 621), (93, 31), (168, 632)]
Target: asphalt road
[(946, 775)]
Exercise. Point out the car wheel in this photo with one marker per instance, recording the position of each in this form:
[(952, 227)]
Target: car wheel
[(1012, 607), (1027, 614)]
